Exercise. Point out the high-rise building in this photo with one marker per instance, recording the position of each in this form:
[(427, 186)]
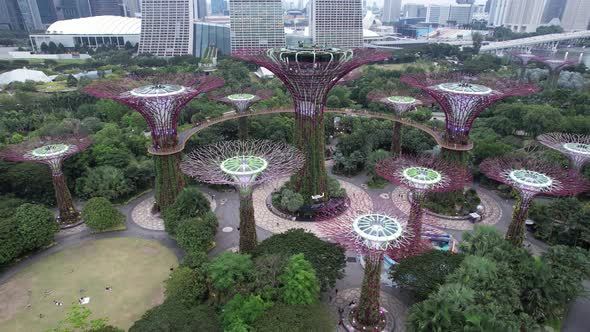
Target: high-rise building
[(553, 10), (47, 11), (524, 15), (217, 7), (70, 9), (200, 9), (461, 14), (256, 24), (414, 10), (497, 12), (576, 15), (449, 14), (105, 7), (131, 8), (337, 23), (391, 10), (166, 27), (21, 15), (437, 14)]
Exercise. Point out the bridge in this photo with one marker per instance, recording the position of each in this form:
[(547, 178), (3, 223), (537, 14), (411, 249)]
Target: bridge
[(545, 41), (186, 135)]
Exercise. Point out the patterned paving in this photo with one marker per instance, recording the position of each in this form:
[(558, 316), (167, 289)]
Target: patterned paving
[(142, 213), (269, 221), (492, 211)]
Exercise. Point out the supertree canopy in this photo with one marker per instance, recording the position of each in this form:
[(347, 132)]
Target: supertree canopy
[(243, 164), (399, 101), (421, 175), (524, 59), (371, 231), (159, 99), (575, 146), (531, 177), (555, 67), (310, 73), (52, 151), (241, 101), (463, 97)]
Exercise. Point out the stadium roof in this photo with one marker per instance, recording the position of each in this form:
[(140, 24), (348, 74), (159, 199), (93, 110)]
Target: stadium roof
[(97, 25), (23, 75)]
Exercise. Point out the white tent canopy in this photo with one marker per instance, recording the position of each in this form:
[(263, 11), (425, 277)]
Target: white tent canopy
[(23, 75)]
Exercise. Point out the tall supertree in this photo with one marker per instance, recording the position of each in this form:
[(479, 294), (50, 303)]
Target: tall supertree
[(531, 177), (52, 151), (371, 231), (555, 67), (159, 99), (422, 174), (241, 101), (310, 73), (575, 146), (243, 164), (463, 97), (399, 101), (523, 59)]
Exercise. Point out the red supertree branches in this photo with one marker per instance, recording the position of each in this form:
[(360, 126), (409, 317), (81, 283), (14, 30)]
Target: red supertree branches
[(310, 73), (399, 101), (575, 146), (463, 97), (241, 100), (371, 231), (243, 164), (52, 151), (555, 67), (524, 59), (421, 175), (159, 99), (531, 177)]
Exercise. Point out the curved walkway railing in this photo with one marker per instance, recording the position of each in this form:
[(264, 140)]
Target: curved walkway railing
[(186, 135)]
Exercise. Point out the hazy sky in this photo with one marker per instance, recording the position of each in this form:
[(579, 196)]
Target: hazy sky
[(425, 2)]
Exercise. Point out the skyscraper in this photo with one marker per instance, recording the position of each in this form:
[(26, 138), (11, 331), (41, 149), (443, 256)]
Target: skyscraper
[(337, 23), (553, 9), (69, 9), (217, 7), (576, 15), (256, 24), (47, 11), (200, 8), (21, 15), (524, 15), (105, 7), (391, 10), (166, 27)]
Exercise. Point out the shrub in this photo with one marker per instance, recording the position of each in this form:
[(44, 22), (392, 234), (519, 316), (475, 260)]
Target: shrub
[(242, 312), (174, 316), (194, 235), (100, 214), (290, 200), (190, 203), (103, 181), (36, 226), (230, 273), (327, 259), (195, 260), (187, 286), (10, 244), (300, 285), (294, 318)]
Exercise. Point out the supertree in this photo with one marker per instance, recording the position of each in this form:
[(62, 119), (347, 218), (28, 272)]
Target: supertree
[(531, 177), (241, 101), (524, 59), (52, 151), (310, 73), (422, 174), (371, 231), (575, 146), (399, 101), (555, 67), (463, 97), (159, 99), (243, 164)]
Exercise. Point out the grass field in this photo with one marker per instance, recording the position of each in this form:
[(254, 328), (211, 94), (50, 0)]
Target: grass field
[(134, 268)]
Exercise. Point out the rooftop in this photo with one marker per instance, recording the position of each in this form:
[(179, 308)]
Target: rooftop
[(97, 25)]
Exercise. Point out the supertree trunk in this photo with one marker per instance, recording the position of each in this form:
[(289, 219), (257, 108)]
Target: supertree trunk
[(522, 73), (515, 233), (367, 312), (415, 219), (553, 78), (169, 179), (243, 128), (311, 179), (396, 142), (248, 240), (68, 215)]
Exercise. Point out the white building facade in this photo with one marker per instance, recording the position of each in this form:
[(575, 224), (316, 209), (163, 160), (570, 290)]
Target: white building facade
[(519, 16), (256, 25), (391, 11), (337, 23), (166, 27), (576, 15)]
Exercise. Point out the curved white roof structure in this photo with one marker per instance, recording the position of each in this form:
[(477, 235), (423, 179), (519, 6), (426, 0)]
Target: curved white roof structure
[(23, 75), (97, 25)]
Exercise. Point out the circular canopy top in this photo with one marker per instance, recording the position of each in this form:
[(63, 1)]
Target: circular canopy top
[(401, 99), (527, 178), (158, 90), (422, 175), (312, 54), (241, 97), (579, 148), (244, 165), (51, 150), (377, 228), (465, 88)]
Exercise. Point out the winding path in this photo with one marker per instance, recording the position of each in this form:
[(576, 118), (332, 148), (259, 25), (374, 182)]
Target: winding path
[(186, 135)]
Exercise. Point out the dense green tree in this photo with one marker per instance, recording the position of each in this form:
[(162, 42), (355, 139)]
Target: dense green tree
[(190, 203), (100, 214), (36, 226), (174, 316), (187, 286), (194, 234), (29, 181), (294, 318), (300, 285), (243, 311), (10, 244), (103, 181), (266, 278), (563, 221), (230, 273)]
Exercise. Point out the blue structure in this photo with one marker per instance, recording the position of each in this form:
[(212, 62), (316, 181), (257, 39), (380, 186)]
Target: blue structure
[(211, 34)]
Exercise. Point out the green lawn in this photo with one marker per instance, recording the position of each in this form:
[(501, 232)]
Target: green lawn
[(134, 268)]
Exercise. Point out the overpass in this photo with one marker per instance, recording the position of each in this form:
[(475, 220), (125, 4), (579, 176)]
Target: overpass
[(545, 41), (186, 135)]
